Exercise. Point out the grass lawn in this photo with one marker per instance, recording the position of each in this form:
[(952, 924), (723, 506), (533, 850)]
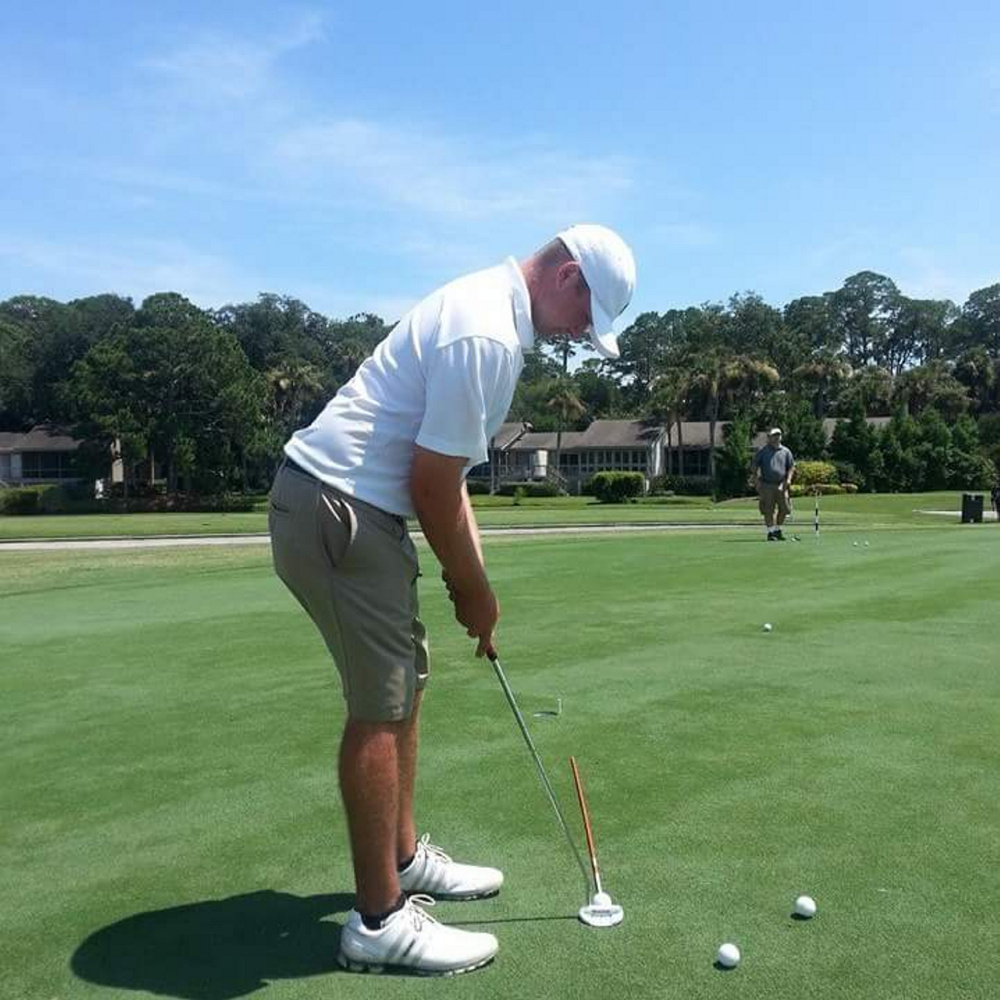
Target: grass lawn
[(501, 512), (171, 827)]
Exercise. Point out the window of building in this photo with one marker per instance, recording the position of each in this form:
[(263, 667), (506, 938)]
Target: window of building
[(695, 461), (47, 465)]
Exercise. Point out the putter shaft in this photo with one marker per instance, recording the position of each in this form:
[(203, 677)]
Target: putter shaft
[(546, 784)]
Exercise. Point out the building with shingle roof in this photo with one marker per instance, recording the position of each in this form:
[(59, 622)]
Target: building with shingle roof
[(519, 454), (42, 455)]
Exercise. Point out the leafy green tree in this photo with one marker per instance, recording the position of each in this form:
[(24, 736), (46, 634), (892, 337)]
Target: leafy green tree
[(979, 373), (668, 403), (277, 330), (568, 408), (855, 443), (173, 384), (925, 330), (112, 414), (599, 392), (16, 376), (803, 432), (732, 465), (647, 346), (981, 314), (820, 378), (809, 322), (871, 387), (931, 385), (864, 312)]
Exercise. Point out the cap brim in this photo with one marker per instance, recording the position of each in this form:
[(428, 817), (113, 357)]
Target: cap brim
[(603, 335)]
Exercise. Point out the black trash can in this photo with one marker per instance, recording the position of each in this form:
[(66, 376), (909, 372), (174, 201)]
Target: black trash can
[(972, 508)]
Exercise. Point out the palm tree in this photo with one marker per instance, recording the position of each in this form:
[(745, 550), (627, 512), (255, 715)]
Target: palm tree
[(721, 374), (823, 374), (669, 403), (291, 387), (568, 408)]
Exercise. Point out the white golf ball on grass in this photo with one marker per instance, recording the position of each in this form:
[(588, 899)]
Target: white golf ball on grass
[(768, 626), (805, 907), (728, 956)]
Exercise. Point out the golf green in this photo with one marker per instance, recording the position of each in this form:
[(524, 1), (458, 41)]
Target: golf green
[(171, 826)]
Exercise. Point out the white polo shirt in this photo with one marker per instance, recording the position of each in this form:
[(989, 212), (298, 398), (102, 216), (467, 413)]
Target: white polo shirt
[(444, 379)]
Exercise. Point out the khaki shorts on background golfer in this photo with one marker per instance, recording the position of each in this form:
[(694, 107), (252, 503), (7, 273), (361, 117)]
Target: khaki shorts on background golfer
[(354, 569), (772, 497)]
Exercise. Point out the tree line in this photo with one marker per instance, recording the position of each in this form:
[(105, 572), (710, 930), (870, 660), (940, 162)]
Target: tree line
[(211, 395)]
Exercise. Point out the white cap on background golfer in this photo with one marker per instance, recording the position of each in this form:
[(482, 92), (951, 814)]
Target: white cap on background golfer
[(608, 267)]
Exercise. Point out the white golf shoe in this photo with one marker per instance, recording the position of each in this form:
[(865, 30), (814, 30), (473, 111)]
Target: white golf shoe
[(412, 940), (434, 873)]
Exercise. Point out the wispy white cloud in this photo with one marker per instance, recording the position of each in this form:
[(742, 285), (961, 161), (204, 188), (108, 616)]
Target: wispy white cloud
[(134, 267), (221, 66), (452, 176)]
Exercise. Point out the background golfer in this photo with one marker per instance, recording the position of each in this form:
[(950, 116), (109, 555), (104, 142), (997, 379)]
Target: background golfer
[(774, 468), (397, 441)]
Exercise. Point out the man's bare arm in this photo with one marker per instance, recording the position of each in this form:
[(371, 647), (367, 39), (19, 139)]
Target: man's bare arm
[(449, 525)]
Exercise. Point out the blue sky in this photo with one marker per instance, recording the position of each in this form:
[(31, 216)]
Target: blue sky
[(359, 155)]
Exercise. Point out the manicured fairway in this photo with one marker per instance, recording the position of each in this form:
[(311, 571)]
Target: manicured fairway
[(170, 823), (501, 512)]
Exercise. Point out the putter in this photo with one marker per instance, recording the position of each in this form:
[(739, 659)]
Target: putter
[(546, 784), (600, 911)]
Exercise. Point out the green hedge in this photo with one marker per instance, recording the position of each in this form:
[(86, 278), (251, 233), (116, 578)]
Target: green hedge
[(823, 489), (814, 473), (543, 489), (477, 487), (694, 486), (23, 500), (617, 487)]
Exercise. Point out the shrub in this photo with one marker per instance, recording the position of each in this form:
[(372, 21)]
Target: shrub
[(477, 487), (694, 486), (846, 473), (543, 489), (812, 473), (732, 464), (618, 487), (21, 500), (823, 489)]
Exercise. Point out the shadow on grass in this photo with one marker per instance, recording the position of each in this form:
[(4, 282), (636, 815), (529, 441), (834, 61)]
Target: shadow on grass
[(218, 949)]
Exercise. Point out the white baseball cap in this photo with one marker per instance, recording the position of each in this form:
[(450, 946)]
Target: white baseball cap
[(774, 432), (609, 269)]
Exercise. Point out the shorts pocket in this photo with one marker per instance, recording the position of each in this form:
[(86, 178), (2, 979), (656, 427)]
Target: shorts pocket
[(338, 527)]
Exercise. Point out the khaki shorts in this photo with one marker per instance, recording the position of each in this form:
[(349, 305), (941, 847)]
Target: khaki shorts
[(354, 569), (772, 497)]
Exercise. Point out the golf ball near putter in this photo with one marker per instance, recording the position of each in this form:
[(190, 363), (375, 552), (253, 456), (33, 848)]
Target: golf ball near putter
[(805, 906), (728, 956)]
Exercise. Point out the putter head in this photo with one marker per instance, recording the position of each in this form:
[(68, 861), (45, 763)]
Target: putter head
[(601, 912)]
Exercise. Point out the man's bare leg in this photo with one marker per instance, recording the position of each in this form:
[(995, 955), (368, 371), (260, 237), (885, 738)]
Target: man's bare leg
[(369, 785), (406, 752)]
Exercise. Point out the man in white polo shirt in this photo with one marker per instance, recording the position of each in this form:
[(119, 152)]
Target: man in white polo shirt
[(397, 441)]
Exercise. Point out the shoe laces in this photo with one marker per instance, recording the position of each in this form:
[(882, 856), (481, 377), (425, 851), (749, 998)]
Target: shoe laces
[(433, 850), (417, 903)]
